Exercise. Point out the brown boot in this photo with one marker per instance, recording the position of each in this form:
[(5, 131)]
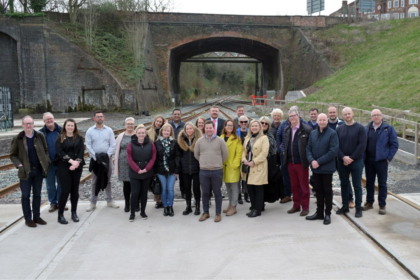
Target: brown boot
[(204, 217), (382, 210), (351, 204), (367, 206), (227, 209), (218, 218), (286, 199), (232, 211), (30, 223), (293, 210)]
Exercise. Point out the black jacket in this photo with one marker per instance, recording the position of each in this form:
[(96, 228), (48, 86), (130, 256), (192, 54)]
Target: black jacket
[(100, 170), (67, 150), (220, 125), (178, 129), (189, 164), (303, 133), (174, 158)]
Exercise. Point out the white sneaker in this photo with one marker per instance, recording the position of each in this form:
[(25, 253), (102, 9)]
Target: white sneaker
[(113, 205), (91, 207)]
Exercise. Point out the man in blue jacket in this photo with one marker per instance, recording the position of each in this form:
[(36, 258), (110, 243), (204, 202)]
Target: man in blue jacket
[(51, 131), (382, 145), (321, 152)]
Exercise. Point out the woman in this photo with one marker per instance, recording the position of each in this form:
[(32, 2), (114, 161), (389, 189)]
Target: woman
[(189, 164), (167, 166), (231, 167), (276, 115), (275, 188), (153, 134), (121, 166), (199, 123), (254, 158), (69, 158), (141, 156), (242, 133)]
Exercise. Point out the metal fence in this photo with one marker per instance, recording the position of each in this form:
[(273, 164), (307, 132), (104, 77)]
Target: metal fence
[(6, 109)]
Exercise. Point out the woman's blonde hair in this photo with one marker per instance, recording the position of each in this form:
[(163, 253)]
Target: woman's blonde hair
[(277, 111), (196, 123), (140, 126), (152, 130), (164, 127), (267, 120), (261, 132)]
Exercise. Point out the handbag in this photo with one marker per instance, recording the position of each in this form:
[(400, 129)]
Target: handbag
[(156, 187), (246, 168)]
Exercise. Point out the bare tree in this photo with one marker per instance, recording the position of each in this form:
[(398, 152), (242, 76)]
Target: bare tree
[(136, 31), (90, 19), (70, 6), (160, 6)]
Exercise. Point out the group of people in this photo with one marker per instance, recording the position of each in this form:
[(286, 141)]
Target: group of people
[(267, 160)]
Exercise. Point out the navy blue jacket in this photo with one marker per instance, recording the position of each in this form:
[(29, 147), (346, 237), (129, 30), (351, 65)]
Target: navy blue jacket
[(51, 140), (313, 126), (387, 144), (323, 147), (280, 134)]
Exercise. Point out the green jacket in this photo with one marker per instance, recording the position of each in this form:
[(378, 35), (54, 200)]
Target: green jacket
[(19, 154)]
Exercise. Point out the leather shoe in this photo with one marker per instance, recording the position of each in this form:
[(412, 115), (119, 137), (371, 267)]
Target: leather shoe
[(342, 210), (359, 212), (314, 217), (40, 221), (165, 211), (293, 210), (254, 213), (240, 201), (62, 220), (66, 208), (286, 199), (327, 220), (247, 199), (30, 223), (74, 217), (53, 207), (159, 205), (304, 213)]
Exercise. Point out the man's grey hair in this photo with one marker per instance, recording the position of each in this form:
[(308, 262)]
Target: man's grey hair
[(277, 111), (293, 110), (243, 118), (27, 116), (371, 113), (46, 114), (129, 119)]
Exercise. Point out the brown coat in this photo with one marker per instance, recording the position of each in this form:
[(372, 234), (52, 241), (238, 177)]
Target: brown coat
[(258, 174)]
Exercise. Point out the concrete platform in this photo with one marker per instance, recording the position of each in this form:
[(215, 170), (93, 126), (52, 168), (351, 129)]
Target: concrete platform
[(39, 123), (105, 245), (9, 213)]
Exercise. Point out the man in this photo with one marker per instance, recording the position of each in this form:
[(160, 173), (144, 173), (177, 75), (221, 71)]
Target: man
[(296, 137), (352, 138), (280, 150), (242, 132), (218, 122), (313, 114), (51, 131), (382, 145), (211, 152), (322, 151), (333, 123), (100, 139), (29, 154), (240, 111), (176, 122)]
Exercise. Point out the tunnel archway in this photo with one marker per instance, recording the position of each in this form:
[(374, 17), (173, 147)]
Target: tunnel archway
[(9, 64), (269, 56)]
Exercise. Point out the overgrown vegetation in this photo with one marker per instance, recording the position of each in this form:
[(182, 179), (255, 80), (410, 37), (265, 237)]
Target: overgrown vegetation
[(376, 62)]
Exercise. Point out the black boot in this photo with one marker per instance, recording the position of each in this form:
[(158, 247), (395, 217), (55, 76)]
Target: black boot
[(359, 212), (342, 210), (197, 209), (240, 201), (188, 210), (165, 211), (315, 216), (62, 220), (254, 214), (327, 220), (171, 211), (74, 217), (247, 198), (127, 206)]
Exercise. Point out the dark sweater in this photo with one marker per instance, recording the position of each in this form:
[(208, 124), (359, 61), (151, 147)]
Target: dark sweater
[(33, 157), (352, 139), (371, 143)]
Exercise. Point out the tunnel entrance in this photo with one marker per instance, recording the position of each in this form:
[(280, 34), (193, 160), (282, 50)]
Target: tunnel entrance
[(9, 74), (271, 76)]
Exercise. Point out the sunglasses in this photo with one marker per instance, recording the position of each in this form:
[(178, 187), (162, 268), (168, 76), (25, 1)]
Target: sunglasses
[(264, 123), (243, 122)]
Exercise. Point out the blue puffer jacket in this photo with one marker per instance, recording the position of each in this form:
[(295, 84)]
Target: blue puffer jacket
[(323, 147), (280, 134), (387, 144)]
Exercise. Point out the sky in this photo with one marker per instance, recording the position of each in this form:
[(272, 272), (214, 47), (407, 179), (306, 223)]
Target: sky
[(258, 7)]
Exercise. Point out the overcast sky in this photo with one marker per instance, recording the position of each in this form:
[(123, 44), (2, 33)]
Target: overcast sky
[(254, 7)]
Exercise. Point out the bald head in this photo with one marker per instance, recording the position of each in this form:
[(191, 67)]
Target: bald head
[(332, 113), (322, 121), (348, 115), (376, 117)]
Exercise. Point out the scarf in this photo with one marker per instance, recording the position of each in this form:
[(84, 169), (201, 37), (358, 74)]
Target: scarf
[(167, 146)]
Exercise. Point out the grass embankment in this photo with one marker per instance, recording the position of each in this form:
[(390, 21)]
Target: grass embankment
[(376, 63)]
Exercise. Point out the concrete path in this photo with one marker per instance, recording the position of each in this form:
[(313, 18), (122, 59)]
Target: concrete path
[(105, 245)]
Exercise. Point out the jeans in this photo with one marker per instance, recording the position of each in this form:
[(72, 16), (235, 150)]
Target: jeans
[(233, 192), (356, 169), (286, 178), (211, 180), (299, 179), (168, 193), (373, 169), (33, 182), (53, 190), (351, 194), (324, 193)]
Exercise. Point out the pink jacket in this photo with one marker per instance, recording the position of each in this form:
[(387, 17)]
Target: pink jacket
[(117, 152)]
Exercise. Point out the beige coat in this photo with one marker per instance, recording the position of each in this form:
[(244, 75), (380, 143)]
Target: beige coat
[(258, 174)]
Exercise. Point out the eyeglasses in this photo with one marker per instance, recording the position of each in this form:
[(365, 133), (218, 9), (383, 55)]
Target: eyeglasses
[(264, 123), (27, 124), (292, 116), (376, 115), (229, 125), (243, 122), (99, 117), (47, 120), (129, 124)]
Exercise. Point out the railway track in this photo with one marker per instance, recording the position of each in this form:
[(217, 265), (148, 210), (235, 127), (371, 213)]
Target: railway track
[(190, 115)]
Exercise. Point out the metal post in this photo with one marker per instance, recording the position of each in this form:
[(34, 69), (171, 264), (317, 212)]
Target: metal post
[(360, 116), (256, 79), (416, 142), (404, 127)]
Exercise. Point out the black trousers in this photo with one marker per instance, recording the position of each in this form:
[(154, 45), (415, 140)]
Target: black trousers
[(126, 191), (181, 182), (323, 190), (139, 189), (70, 181), (195, 180), (256, 194)]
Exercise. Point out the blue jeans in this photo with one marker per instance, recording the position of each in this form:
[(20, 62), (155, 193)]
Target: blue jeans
[(286, 178), (53, 191), (34, 182), (373, 169), (356, 170), (168, 192)]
